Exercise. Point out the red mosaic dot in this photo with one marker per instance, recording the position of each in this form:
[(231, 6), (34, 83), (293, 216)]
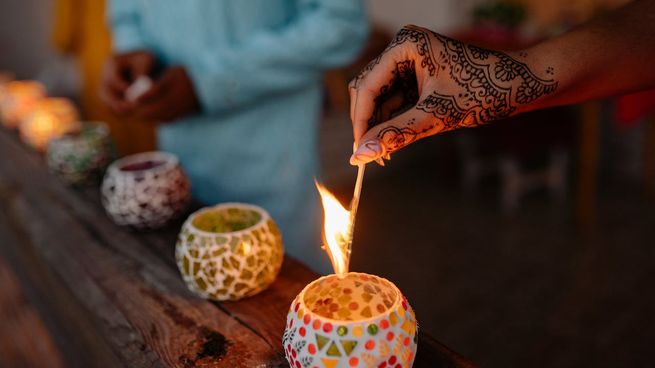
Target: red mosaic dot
[(382, 365), (347, 291), (327, 327), (294, 353), (353, 361), (317, 324), (306, 319), (311, 348), (289, 347), (298, 364), (296, 307), (353, 306), (393, 359), (384, 324), (390, 335), (404, 304), (399, 365), (370, 345), (406, 341), (290, 323), (302, 331)]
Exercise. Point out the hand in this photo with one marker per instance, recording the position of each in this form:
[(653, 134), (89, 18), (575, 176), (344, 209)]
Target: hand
[(118, 73), (171, 96), (425, 83)]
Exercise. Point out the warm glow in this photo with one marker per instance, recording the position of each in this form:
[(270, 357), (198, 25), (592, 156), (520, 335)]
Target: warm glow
[(336, 225)]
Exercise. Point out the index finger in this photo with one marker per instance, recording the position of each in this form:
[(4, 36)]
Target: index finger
[(366, 87)]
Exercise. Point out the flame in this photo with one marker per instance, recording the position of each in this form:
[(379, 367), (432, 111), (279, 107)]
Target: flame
[(336, 225)]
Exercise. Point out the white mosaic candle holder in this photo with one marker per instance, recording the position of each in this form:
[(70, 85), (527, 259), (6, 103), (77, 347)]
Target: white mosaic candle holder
[(145, 190), (359, 320), (51, 118), (229, 251), (17, 100)]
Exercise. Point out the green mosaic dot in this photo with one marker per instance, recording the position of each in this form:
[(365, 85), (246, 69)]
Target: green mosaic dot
[(372, 329), (342, 330)]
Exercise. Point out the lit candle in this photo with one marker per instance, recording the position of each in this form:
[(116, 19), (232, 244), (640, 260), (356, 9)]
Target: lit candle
[(348, 319), (50, 118), (17, 100)]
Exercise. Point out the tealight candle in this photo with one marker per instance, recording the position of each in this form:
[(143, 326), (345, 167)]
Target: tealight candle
[(81, 157), (145, 190), (357, 320), (17, 100), (51, 118), (348, 319), (229, 251)]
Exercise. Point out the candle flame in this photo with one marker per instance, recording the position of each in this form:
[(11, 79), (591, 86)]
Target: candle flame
[(336, 226)]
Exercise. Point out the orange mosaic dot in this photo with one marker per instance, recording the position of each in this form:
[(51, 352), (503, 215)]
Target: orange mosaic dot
[(353, 361), (390, 335), (370, 345), (311, 348), (317, 324), (307, 319), (384, 324)]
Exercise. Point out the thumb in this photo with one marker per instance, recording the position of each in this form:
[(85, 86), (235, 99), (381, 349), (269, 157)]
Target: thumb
[(386, 138)]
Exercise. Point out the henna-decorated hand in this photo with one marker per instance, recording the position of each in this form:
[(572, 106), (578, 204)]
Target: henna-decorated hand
[(425, 83)]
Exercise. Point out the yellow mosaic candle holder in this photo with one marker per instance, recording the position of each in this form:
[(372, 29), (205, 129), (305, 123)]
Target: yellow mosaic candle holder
[(51, 118), (359, 320), (229, 251), (17, 100)]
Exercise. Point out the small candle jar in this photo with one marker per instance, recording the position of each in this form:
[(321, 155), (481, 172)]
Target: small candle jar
[(17, 100), (51, 118), (82, 157), (359, 320), (229, 251), (145, 190)]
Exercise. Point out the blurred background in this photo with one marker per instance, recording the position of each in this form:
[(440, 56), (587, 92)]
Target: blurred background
[(524, 243)]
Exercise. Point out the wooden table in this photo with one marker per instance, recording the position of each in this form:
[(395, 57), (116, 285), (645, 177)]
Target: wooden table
[(85, 292)]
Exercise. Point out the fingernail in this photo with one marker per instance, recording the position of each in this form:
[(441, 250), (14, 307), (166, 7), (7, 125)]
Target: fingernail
[(367, 152)]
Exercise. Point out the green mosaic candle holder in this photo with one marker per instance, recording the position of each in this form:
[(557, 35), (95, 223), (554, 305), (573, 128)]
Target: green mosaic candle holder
[(359, 320), (229, 251), (81, 158)]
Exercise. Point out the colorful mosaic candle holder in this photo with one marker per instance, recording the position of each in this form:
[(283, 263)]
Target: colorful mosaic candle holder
[(145, 190), (359, 320), (82, 157), (51, 118), (17, 100), (229, 251)]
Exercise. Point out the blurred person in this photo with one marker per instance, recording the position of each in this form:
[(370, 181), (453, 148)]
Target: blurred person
[(425, 83), (80, 31), (238, 85)]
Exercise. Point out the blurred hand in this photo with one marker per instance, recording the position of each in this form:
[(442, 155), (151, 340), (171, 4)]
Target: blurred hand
[(425, 83), (171, 96), (118, 73)]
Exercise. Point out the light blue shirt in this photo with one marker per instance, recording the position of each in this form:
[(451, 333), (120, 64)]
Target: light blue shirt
[(257, 67)]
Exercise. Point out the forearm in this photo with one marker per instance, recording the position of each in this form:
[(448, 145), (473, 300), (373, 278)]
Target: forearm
[(606, 57)]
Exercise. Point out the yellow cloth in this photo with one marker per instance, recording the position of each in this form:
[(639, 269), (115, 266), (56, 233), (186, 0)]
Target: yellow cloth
[(80, 30)]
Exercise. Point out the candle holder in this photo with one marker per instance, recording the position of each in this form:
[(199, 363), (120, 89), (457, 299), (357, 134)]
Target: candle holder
[(51, 118), (17, 100), (145, 190), (357, 320), (229, 251), (82, 157)]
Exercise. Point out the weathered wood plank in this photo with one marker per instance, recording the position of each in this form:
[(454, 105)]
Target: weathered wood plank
[(147, 313), (129, 281), (24, 339)]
